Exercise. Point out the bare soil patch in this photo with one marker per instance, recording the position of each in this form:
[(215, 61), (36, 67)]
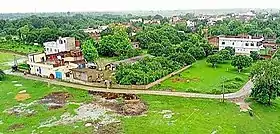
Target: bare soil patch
[(183, 80), (22, 96), (124, 104), (15, 127), (55, 100)]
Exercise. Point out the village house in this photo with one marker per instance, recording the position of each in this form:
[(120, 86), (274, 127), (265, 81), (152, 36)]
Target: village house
[(139, 20), (95, 33), (61, 45), (40, 66), (151, 22), (242, 44), (59, 57), (214, 41), (190, 23)]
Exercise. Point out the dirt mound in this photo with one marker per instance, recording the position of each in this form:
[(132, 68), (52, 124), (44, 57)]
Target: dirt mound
[(108, 95), (179, 79), (15, 127), (55, 100), (132, 107), (124, 104), (22, 96)]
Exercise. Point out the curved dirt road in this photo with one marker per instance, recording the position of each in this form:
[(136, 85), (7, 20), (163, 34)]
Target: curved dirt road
[(244, 91)]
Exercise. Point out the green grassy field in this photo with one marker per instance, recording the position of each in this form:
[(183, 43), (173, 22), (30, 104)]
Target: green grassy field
[(20, 48), (202, 78), (201, 116), (5, 57), (37, 90), (188, 115)]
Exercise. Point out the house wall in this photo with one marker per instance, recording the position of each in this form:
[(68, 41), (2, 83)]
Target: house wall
[(41, 69), (37, 57), (241, 45), (61, 45)]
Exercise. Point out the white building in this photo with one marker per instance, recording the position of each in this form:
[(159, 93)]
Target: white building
[(61, 45), (190, 23), (242, 45), (40, 67), (136, 20)]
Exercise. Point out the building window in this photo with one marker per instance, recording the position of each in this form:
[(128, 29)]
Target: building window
[(252, 44), (232, 43), (246, 44), (60, 42), (223, 43), (47, 49), (64, 41)]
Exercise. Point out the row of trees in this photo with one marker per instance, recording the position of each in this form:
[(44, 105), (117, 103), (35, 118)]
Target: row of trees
[(114, 43), (172, 50)]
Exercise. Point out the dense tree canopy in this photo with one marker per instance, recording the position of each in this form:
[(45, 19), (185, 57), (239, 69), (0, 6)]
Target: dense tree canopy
[(266, 77), (89, 50), (241, 61)]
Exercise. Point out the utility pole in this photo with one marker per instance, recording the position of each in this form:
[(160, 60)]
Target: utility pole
[(223, 88)]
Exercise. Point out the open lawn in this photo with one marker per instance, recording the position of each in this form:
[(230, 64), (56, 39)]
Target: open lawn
[(170, 115), (5, 57), (37, 90), (164, 115), (20, 47), (202, 78)]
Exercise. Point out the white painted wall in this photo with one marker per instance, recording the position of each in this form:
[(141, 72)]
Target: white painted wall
[(241, 45), (61, 45)]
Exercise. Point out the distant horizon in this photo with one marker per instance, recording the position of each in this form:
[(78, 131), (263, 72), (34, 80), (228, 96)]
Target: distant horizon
[(131, 11), (53, 6)]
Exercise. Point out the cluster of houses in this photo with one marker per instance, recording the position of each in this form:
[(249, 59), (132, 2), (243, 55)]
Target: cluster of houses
[(64, 60)]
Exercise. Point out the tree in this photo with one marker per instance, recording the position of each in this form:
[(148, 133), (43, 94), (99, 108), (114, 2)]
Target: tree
[(89, 50), (2, 75), (214, 59), (182, 58), (197, 52), (255, 55), (241, 61), (225, 54), (266, 79), (231, 50)]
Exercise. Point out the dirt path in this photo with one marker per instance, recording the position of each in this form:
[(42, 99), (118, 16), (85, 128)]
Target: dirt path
[(244, 91)]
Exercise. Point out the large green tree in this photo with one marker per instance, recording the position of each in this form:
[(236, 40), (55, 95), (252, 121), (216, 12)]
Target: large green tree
[(266, 78), (89, 50), (214, 59), (241, 62)]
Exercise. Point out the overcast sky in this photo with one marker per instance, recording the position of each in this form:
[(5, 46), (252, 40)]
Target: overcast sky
[(8, 6)]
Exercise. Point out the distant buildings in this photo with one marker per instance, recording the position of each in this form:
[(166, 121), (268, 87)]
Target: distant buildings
[(190, 23), (95, 33), (151, 22), (139, 20), (241, 44)]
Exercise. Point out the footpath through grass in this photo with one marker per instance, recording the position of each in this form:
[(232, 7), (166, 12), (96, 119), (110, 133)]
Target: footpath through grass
[(202, 78), (170, 115)]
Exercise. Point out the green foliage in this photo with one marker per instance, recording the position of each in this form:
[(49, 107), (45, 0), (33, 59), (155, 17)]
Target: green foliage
[(197, 52), (255, 55), (2, 75), (266, 77), (182, 58), (231, 50), (89, 50), (225, 54), (116, 44), (214, 59), (145, 71), (241, 61)]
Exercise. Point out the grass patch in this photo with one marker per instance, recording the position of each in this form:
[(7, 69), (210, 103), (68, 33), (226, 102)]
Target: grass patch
[(202, 78), (37, 90), (196, 116), (20, 47), (6, 57)]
